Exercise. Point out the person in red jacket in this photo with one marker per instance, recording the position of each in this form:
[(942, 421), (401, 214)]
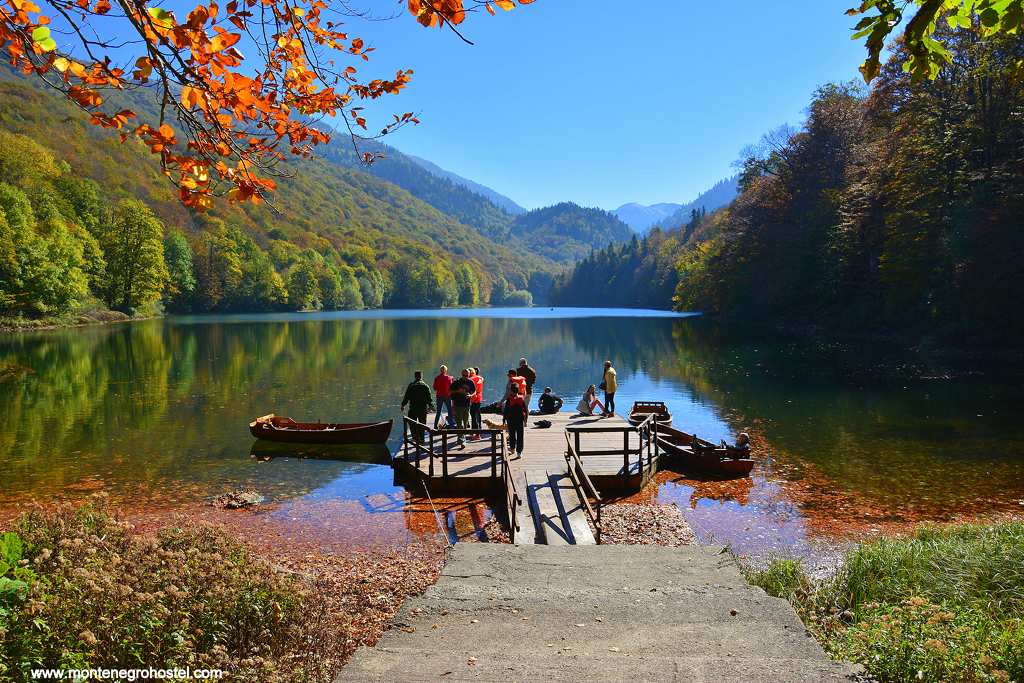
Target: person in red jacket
[(515, 414), (474, 407), (442, 390)]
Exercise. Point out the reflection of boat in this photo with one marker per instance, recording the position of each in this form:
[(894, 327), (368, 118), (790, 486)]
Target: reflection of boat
[(356, 452), (277, 428), (641, 409), (704, 455)]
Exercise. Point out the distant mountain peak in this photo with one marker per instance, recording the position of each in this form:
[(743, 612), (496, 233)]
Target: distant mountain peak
[(641, 217)]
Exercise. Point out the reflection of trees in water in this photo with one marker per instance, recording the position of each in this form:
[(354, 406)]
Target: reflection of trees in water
[(855, 414), (161, 401)]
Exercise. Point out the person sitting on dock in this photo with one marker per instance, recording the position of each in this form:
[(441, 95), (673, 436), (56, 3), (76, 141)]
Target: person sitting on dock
[(515, 414), (417, 397), (442, 389), (589, 402), (477, 400), (462, 392), (530, 375), (549, 403)]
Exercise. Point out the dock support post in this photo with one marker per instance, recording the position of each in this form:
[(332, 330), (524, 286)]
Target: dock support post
[(494, 456), (444, 456), (625, 456)]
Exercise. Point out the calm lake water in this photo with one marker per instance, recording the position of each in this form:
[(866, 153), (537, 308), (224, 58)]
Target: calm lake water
[(156, 414)]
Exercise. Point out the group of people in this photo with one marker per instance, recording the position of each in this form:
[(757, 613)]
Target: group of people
[(461, 399)]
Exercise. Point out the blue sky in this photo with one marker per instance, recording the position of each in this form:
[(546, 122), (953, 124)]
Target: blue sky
[(599, 104)]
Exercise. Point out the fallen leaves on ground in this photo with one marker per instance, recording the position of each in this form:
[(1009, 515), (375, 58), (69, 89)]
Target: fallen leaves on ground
[(635, 524)]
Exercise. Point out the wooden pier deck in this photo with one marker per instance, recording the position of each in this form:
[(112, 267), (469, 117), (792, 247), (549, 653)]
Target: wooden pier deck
[(553, 490)]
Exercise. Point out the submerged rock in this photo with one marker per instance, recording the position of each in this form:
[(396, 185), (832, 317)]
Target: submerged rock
[(241, 498)]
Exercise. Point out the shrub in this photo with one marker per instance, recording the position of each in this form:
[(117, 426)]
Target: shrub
[(919, 640), (96, 595)]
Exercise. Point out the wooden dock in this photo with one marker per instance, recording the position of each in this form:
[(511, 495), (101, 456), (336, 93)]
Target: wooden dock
[(553, 491)]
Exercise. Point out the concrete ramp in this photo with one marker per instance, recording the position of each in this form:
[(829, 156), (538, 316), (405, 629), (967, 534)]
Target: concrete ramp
[(603, 613), (552, 513)]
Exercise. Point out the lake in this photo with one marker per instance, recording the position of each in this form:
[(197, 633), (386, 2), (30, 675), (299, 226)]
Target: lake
[(850, 440)]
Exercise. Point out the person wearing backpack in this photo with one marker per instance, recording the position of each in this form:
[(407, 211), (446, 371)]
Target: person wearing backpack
[(515, 414)]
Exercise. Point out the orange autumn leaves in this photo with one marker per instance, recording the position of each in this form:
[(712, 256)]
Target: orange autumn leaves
[(226, 118), (453, 12)]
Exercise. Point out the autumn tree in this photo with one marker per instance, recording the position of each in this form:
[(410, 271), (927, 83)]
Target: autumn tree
[(133, 242), (224, 121)]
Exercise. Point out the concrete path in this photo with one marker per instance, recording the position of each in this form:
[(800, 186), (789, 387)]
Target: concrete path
[(604, 613)]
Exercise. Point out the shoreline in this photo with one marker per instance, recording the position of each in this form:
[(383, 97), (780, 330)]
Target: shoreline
[(92, 318)]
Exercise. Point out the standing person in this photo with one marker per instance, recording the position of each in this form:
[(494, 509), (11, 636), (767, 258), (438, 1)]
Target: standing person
[(549, 403), (514, 381), (610, 384), (417, 397), (478, 397), (462, 391), (530, 375), (515, 414), (442, 389)]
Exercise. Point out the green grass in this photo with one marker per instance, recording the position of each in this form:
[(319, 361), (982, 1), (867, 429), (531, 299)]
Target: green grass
[(945, 604)]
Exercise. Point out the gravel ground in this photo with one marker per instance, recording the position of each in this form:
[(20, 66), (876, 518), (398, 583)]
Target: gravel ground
[(645, 524)]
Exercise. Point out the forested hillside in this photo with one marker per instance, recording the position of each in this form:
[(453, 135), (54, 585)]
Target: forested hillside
[(720, 194), (563, 232), (567, 232), (902, 209), (335, 237), (640, 273), (496, 198), (895, 210), (445, 195)]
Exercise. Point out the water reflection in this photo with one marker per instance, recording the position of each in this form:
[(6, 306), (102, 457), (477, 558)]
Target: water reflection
[(156, 413)]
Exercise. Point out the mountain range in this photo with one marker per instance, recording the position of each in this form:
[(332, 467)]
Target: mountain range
[(642, 218)]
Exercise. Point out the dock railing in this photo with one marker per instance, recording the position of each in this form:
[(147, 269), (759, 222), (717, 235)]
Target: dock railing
[(421, 441), (512, 502), (584, 487), (644, 454)]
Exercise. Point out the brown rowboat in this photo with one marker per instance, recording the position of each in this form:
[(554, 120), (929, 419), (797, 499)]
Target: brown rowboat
[(642, 409), (727, 461), (278, 428)]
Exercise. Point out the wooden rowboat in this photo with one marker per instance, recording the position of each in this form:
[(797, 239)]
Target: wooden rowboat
[(642, 409), (277, 428), (723, 461)]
